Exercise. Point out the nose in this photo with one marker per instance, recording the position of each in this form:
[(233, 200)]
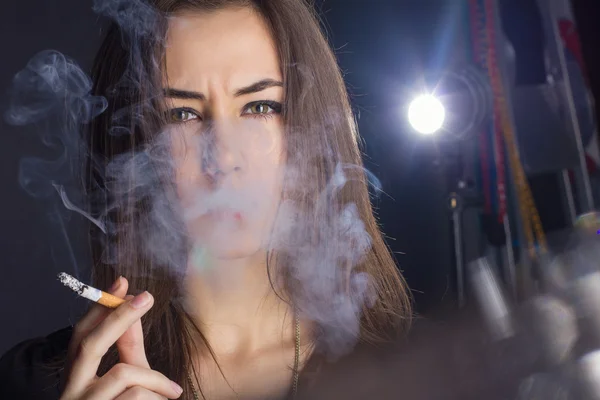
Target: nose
[(220, 154)]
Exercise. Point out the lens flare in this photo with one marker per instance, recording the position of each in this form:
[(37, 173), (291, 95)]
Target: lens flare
[(426, 114)]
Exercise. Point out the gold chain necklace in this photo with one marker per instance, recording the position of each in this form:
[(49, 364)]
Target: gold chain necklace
[(295, 373)]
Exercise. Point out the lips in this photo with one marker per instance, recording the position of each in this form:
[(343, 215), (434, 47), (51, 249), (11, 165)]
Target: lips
[(226, 214)]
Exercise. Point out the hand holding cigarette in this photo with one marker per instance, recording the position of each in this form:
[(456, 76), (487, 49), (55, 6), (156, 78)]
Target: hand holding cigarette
[(96, 332)]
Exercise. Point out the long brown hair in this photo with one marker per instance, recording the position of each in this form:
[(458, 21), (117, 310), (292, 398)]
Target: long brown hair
[(126, 73)]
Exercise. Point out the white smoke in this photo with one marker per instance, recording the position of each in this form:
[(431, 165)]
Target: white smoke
[(54, 93)]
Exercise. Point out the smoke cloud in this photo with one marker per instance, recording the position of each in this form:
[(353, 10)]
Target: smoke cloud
[(135, 17), (53, 93)]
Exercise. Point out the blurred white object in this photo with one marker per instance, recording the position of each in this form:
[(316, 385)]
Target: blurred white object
[(554, 326), (491, 299), (589, 366)]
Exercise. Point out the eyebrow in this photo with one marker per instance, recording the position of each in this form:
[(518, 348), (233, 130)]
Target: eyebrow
[(253, 88)]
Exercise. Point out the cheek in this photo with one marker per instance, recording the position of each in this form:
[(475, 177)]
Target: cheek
[(185, 162), (262, 139), (267, 159), (266, 151)]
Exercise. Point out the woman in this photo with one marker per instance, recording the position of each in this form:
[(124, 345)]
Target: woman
[(226, 178)]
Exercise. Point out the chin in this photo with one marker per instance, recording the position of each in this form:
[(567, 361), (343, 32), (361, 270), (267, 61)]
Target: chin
[(235, 253), (232, 245)]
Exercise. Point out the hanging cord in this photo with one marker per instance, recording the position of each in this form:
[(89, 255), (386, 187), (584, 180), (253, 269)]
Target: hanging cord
[(529, 214), (479, 52)]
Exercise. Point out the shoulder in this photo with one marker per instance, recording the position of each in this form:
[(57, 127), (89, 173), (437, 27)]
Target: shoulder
[(30, 369)]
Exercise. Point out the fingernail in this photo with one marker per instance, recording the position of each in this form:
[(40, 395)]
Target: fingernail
[(141, 300), (115, 285), (176, 387)]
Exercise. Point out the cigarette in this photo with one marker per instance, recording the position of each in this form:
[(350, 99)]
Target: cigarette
[(89, 292)]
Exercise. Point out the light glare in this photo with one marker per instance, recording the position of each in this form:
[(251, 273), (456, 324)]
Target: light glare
[(426, 114)]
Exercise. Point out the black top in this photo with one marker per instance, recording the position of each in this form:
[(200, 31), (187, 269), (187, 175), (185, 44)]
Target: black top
[(437, 361), (25, 370)]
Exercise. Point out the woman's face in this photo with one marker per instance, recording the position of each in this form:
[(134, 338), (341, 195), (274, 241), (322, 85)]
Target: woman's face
[(224, 93)]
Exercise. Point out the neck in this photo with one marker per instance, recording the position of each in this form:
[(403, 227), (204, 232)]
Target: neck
[(236, 308)]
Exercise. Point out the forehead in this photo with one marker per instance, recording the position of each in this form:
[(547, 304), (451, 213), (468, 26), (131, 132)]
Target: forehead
[(230, 45)]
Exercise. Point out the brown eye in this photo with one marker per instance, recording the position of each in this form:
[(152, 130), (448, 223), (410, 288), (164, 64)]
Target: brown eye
[(265, 108), (259, 108), (179, 115)]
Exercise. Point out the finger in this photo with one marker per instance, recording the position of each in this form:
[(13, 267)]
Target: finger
[(123, 377), (90, 320), (97, 313), (138, 392), (95, 345), (131, 346)]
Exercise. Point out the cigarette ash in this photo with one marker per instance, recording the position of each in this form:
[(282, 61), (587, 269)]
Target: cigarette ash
[(73, 283)]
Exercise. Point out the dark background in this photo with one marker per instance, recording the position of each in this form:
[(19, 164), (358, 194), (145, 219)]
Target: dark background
[(382, 46)]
